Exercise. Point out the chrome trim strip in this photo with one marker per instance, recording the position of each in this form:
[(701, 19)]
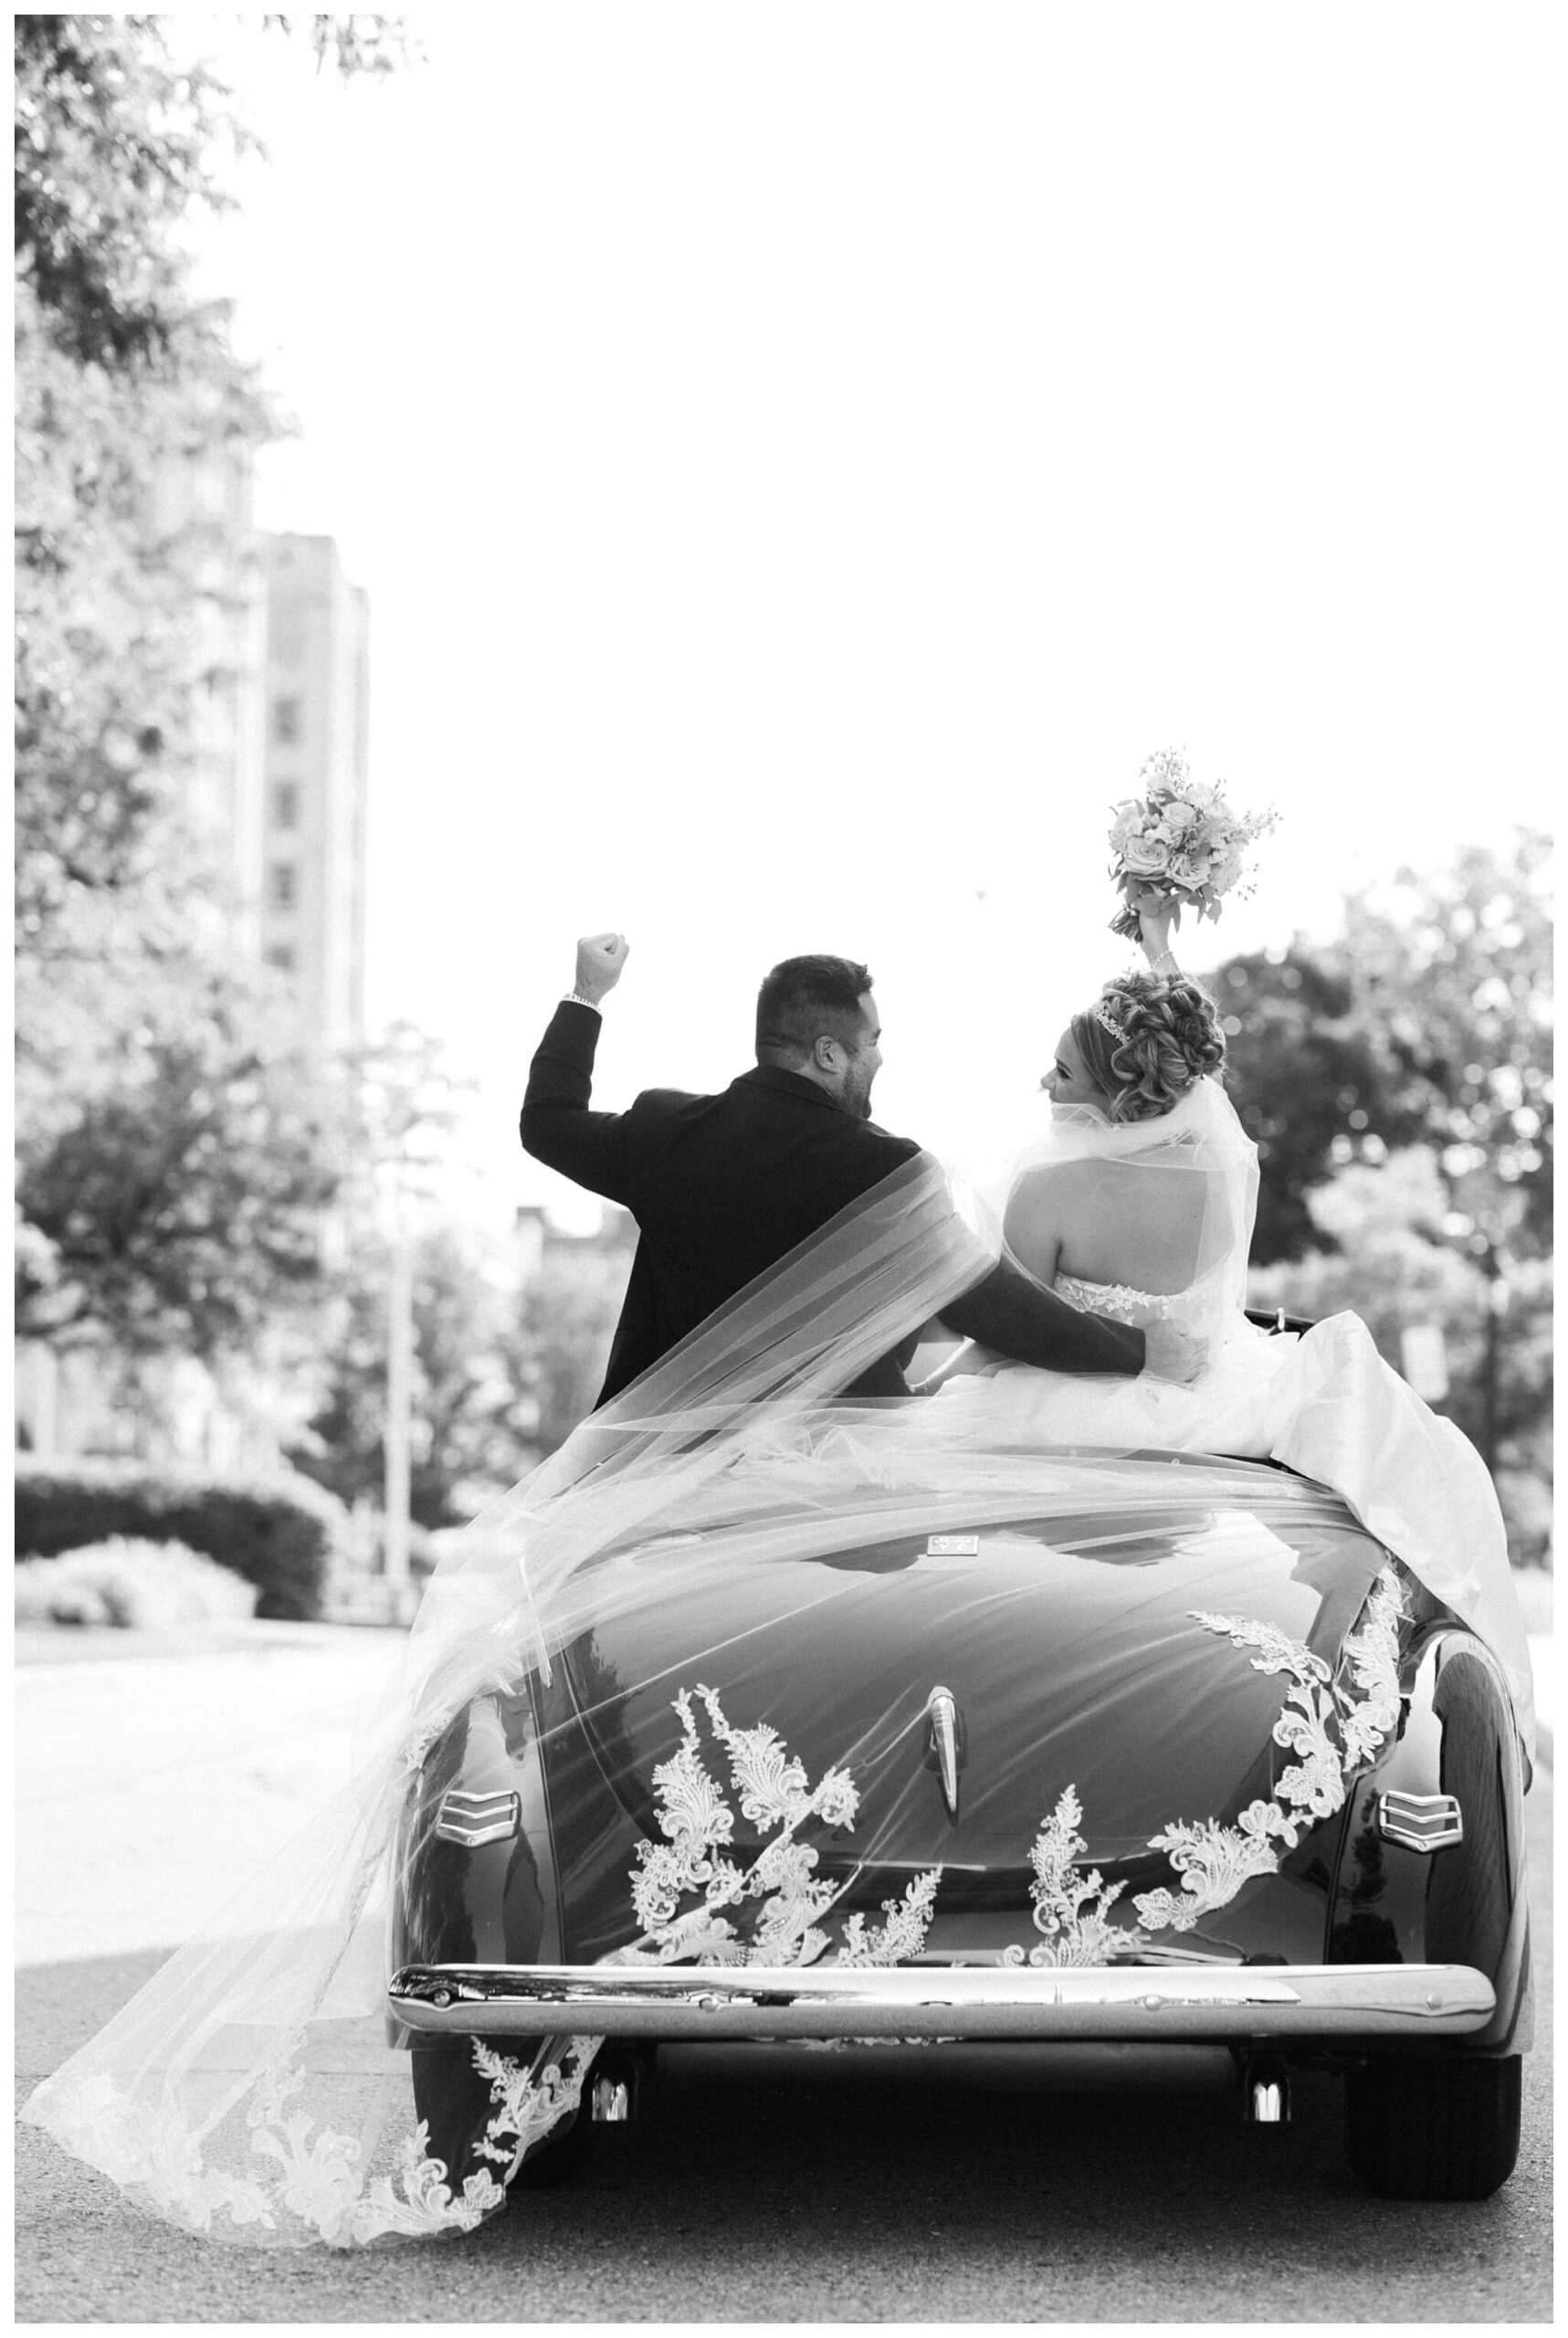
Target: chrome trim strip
[(941, 1734), (475, 1818), (967, 2001), (1422, 1822)]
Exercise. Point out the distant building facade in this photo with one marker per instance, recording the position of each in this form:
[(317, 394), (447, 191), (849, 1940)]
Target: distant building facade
[(315, 764), (278, 644), (200, 516)]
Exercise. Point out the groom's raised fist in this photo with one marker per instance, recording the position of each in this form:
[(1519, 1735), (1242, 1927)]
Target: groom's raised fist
[(600, 958)]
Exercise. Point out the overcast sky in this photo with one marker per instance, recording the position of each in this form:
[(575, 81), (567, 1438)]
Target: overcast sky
[(804, 460)]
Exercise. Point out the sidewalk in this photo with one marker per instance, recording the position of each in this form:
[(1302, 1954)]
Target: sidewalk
[(98, 1643), (154, 1776), (1543, 1665), (1535, 1599)]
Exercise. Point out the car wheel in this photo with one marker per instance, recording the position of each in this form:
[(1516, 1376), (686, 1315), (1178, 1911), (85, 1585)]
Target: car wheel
[(559, 2156), (453, 2099), (1443, 2130)]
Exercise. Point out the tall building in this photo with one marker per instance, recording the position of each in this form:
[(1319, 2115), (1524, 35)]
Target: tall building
[(199, 517), (315, 761)]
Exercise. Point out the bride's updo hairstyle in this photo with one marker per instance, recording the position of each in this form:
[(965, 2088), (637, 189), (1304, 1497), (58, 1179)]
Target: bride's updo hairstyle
[(1170, 1036)]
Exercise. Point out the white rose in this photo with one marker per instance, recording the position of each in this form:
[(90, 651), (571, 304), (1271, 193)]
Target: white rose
[(1129, 822), (1146, 856), (1177, 817), (1189, 868)]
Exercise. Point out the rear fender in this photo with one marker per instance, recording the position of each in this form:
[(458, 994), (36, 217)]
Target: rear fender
[(533, 1897), (1465, 1904), (495, 1901)]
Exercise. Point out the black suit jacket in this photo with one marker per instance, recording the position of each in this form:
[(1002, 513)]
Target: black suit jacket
[(723, 1186)]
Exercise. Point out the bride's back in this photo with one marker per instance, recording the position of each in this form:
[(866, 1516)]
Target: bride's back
[(1111, 1222)]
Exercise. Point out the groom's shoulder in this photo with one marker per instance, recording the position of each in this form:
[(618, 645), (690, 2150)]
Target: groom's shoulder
[(659, 1103), (906, 1147), (877, 1144)]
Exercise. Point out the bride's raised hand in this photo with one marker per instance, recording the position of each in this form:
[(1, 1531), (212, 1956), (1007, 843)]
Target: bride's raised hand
[(1158, 916)]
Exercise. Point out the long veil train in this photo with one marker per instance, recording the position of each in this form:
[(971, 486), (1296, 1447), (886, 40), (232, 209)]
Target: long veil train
[(237, 2093), (247, 2092)]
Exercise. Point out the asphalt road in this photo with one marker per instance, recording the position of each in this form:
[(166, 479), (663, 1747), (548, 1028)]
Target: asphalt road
[(759, 2185)]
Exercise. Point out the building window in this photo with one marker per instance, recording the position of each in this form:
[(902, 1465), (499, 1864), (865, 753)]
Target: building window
[(285, 722), (286, 633), (281, 955), (286, 804), (282, 884)]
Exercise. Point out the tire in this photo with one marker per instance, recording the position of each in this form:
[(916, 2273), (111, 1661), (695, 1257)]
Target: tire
[(454, 2103), (1440, 2129), (559, 2156)]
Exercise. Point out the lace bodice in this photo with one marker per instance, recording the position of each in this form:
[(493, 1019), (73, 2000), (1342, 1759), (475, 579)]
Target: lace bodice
[(1118, 1299)]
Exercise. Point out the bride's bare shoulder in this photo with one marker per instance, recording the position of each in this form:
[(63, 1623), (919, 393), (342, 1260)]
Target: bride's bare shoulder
[(1045, 1179), (1046, 1196)]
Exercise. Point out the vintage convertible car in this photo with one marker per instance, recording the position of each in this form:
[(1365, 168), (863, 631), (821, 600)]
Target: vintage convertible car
[(1224, 1774)]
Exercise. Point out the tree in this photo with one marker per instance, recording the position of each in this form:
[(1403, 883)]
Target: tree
[(501, 1377), (1428, 1022), (1401, 1081), (1309, 1081), (177, 1208), (570, 1309), (114, 142), (1393, 1266), (1456, 970), (473, 1414)]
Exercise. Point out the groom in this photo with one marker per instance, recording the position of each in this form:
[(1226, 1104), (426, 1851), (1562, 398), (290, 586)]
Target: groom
[(724, 1186)]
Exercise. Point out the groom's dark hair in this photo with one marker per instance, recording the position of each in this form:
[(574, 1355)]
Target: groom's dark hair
[(805, 999)]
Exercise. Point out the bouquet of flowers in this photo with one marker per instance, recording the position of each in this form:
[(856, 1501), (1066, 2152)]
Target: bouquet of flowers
[(1179, 840)]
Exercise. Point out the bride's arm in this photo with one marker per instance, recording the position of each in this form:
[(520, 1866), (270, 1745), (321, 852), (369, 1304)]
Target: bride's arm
[(1157, 918), (970, 1356), (1032, 1225), (945, 1352)]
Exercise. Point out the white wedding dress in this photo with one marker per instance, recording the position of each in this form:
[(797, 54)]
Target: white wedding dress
[(1325, 1404)]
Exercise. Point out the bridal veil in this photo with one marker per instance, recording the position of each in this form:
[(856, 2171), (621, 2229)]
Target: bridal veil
[(249, 2092)]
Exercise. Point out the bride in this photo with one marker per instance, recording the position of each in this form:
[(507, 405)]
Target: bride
[(1139, 1205)]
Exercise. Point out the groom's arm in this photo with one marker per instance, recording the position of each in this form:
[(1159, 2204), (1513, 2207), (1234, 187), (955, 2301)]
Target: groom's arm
[(1009, 1312), (557, 1126)]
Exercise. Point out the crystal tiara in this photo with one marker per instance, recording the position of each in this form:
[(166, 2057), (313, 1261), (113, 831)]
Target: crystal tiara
[(1102, 1014)]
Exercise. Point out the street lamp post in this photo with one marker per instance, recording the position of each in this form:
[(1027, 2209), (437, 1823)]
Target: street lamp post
[(1497, 1308), (399, 1409), (407, 1106), (1489, 1213)]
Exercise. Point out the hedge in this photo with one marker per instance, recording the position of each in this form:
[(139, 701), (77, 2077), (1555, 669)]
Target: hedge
[(136, 1586), (280, 1533)]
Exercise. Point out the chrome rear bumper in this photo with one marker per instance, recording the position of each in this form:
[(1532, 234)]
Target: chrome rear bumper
[(1176, 2002)]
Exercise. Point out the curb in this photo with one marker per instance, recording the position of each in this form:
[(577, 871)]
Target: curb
[(37, 1645)]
